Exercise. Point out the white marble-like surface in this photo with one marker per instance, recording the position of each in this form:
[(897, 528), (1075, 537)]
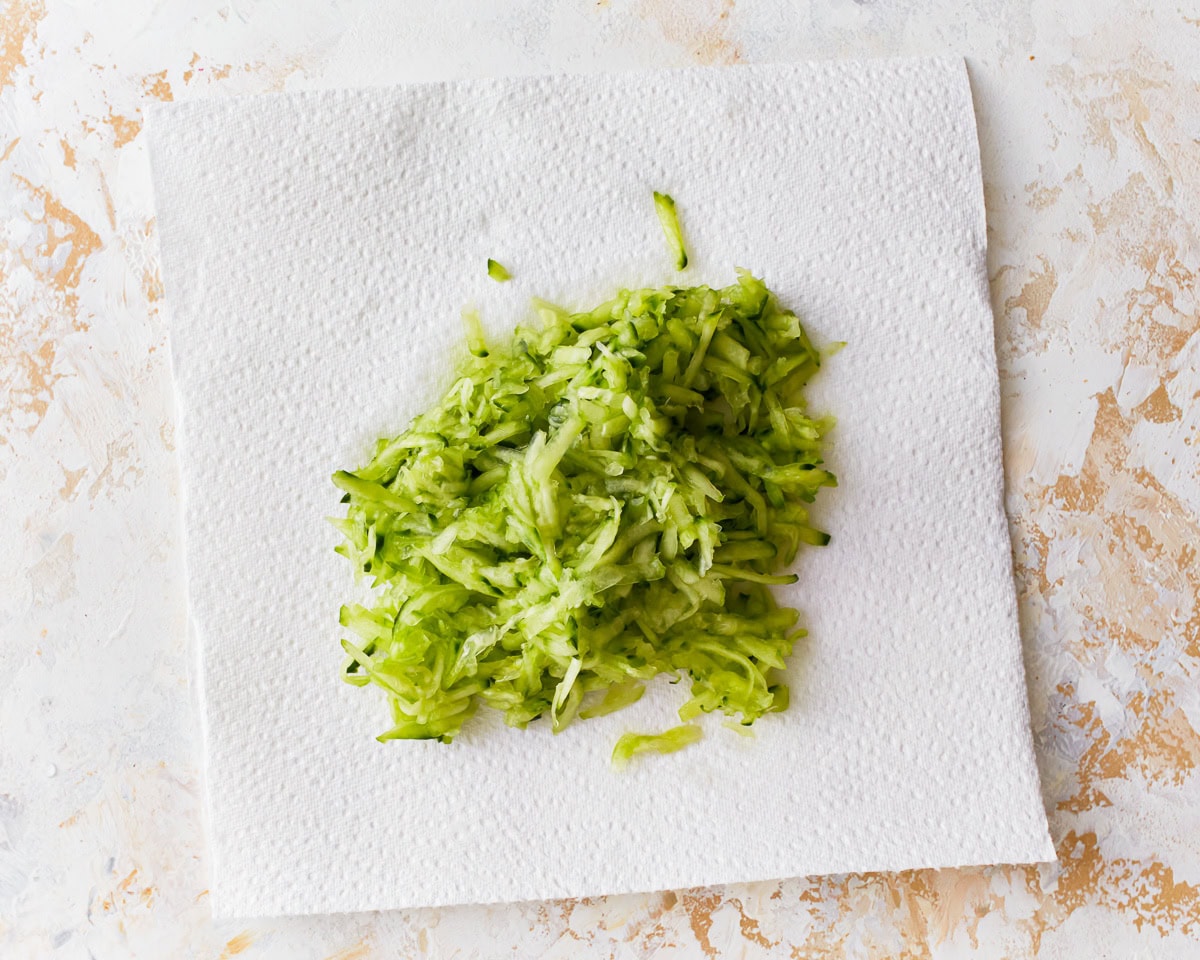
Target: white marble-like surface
[(1090, 127)]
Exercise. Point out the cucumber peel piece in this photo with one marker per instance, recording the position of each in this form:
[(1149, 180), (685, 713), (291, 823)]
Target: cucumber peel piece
[(497, 271), (669, 218)]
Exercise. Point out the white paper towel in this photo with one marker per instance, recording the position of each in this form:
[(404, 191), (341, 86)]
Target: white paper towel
[(318, 249)]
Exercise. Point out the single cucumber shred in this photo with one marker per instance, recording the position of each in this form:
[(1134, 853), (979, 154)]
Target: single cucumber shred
[(630, 745), (606, 497), (497, 271), (664, 205)]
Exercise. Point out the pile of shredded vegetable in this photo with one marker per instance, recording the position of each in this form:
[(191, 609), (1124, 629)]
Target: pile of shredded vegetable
[(605, 498)]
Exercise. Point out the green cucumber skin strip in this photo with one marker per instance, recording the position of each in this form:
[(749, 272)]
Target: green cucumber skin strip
[(668, 217)]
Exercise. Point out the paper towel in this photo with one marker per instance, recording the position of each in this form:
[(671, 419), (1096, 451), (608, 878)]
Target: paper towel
[(317, 251)]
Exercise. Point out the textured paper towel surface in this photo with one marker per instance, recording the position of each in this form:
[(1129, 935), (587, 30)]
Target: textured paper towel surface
[(318, 249)]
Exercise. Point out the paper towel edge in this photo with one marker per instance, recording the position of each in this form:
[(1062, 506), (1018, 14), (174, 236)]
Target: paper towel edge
[(782, 66), (983, 291), (195, 658), (1046, 855)]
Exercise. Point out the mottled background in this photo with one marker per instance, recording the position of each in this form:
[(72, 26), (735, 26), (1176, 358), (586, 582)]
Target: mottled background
[(1090, 127)]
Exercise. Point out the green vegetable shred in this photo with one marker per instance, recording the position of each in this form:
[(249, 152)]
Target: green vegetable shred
[(669, 219), (606, 497), (497, 271), (631, 744)]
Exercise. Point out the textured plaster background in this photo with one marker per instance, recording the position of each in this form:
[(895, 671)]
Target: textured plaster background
[(1090, 127)]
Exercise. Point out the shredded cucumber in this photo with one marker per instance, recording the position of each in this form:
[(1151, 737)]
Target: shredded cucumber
[(605, 497), (497, 271)]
